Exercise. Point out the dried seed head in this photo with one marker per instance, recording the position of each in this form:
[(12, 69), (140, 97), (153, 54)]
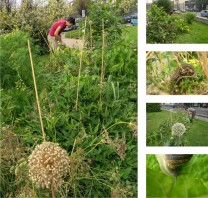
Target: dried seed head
[(178, 129), (48, 163)]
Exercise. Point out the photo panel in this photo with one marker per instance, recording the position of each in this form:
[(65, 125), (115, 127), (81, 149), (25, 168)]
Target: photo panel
[(176, 175), (177, 73), (176, 124), (176, 21)]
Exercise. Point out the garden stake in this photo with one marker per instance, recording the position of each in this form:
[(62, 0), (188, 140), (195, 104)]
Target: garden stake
[(90, 22), (36, 91), (102, 66), (80, 66)]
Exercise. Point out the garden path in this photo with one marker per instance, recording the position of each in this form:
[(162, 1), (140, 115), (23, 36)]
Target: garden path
[(73, 43)]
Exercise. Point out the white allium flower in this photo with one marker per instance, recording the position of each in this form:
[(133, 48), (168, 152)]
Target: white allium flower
[(48, 163), (178, 129)]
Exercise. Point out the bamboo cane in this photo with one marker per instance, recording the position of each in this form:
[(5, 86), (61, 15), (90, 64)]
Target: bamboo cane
[(36, 91), (80, 66), (102, 66)]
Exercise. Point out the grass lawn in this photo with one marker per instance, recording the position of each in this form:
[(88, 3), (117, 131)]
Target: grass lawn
[(197, 34), (197, 135), (132, 32), (155, 119)]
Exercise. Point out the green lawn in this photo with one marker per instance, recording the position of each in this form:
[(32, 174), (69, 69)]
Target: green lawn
[(132, 33), (196, 135), (197, 34), (155, 119)]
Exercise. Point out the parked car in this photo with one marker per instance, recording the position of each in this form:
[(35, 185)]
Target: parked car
[(134, 22), (74, 27), (127, 18), (204, 13)]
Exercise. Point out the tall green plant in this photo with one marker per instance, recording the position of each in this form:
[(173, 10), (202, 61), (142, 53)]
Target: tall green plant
[(112, 24)]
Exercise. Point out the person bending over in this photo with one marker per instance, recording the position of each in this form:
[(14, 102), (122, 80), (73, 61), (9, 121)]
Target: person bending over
[(56, 29)]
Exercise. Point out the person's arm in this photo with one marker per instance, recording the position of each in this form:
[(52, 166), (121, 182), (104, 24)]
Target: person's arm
[(57, 35)]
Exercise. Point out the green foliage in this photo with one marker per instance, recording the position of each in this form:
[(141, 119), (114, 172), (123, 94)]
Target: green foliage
[(112, 24), (159, 127), (15, 63), (125, 6), (153, 107), (35, 19), (77, 34), (161, 68), (161, 135), (165, 4), (195, 35), (163, 28), (189, 17), (192, 184), (99, 136)]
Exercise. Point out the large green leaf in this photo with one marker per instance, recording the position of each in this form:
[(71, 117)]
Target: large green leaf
[(192, 182)]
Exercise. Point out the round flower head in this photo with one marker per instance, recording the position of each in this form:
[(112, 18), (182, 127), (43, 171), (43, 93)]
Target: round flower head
[(178, 129), (47, 164)]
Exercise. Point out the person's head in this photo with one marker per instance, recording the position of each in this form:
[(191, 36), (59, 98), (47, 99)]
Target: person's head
[(70, 21)]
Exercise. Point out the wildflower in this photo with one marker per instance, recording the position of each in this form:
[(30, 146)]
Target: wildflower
[(48, 163), (178, 129)]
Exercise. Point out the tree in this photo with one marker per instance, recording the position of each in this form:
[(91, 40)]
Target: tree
[(166, 4), (124, 6), (80, 5), (201, 4), (8, 4)]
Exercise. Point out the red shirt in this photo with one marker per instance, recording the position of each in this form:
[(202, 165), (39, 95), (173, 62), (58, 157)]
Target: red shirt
[(61, 23)]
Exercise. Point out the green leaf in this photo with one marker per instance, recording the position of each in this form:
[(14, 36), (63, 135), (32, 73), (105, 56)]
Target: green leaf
[(126, 172), (192, 182)]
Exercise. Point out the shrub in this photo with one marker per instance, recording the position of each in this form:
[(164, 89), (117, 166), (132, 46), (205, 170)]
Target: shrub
[(14, 59), (159, 29), (179, 23), (189, 17), (153, 107), (163, 28)]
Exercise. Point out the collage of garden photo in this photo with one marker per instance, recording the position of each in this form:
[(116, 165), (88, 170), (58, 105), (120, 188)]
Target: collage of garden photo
[(177, 121), (103, 98)]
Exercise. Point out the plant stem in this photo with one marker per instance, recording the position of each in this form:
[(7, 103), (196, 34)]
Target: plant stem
[(53, 191), (73, 146), (80, 66), (117, 124), (36, 91), (102, 66), (90, 36)]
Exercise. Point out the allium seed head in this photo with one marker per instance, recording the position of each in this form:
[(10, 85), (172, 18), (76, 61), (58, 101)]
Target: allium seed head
[(178, 129), (48, 163)]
